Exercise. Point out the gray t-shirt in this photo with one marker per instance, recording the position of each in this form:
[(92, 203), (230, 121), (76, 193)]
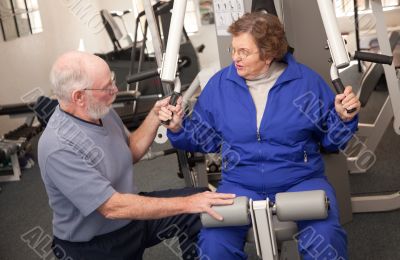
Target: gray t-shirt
[(82, 165)]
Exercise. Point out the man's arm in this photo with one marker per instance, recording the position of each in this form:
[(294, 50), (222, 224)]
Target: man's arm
[(143, 137), (132, 206)]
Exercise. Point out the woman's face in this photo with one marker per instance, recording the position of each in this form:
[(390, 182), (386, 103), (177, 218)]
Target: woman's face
[(246, 56)]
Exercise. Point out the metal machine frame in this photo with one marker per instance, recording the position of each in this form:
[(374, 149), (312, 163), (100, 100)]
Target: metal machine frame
[(373, 133), (273, 225)]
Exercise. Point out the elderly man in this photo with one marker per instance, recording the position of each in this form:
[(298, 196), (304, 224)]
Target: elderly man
[(86, 158)]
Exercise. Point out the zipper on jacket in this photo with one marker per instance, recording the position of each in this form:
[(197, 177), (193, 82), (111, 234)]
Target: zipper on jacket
[(258, 135), (305, 156)]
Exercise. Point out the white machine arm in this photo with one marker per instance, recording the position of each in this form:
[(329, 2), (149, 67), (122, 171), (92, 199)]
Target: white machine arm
[(337, 48), (336, 43), (170, 59), (167, 63)]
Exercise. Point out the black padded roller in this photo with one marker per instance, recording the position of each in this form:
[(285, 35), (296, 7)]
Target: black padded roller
[(373, 57), (141, 76)]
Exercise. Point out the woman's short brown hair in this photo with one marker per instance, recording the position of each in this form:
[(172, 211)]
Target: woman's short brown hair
[(267, 31)]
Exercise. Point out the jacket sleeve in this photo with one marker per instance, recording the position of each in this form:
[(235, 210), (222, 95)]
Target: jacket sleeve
[(333, 132), (198, 132)]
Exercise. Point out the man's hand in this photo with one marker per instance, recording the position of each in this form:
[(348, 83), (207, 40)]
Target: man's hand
[(203, 202), (346, 101), (142, 138), (159, 104), (172, 113)]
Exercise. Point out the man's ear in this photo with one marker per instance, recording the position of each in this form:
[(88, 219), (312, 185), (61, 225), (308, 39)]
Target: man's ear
[(78, 97)]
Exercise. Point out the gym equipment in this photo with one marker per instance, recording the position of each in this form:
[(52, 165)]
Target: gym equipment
[(374, 71), (141, 70), (336, 45), (312, 54), (112, 29), (120, 15), (115, 36), (9, 149), (15, 144), (300, 27), (170, 61), (272, 223), (176, 55), (371, 134), (167, 63), (133, 110)]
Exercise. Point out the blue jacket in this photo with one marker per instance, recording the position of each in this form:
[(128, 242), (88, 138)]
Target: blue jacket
[(299, 118)]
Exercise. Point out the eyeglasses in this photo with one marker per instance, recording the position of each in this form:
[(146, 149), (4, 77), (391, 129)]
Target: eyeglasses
[(241, 53), (111, 88)]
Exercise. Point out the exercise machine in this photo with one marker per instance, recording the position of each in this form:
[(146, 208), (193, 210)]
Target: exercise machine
[(15, 146), (337, 165), (273, 230), (313, 54), (170, 66), (371, 134), (138, 72)]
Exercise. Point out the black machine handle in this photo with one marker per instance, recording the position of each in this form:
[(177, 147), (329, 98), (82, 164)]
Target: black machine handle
[(339, 87), (365, 56), (142, 76), (173, 100), (139, 76), (170, 151), (373, 57)]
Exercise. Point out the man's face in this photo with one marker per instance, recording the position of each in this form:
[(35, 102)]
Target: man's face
[(103, 94)]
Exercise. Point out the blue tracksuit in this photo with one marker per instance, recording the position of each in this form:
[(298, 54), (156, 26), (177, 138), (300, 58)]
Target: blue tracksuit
[(282, 155)]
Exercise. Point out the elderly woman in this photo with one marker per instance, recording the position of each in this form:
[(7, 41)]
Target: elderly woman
[(268, 115)]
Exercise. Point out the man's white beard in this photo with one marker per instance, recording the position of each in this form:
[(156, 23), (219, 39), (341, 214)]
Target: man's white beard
[(98, 110)]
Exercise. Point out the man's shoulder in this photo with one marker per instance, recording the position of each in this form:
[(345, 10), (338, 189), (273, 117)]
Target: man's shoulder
[(114, 116), (48, 142), (114, 119)]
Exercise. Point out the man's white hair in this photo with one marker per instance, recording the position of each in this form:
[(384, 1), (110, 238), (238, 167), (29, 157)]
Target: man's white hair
[(68, 74)]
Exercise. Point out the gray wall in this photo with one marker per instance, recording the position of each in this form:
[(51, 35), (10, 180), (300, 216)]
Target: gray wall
[(306, 34)]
